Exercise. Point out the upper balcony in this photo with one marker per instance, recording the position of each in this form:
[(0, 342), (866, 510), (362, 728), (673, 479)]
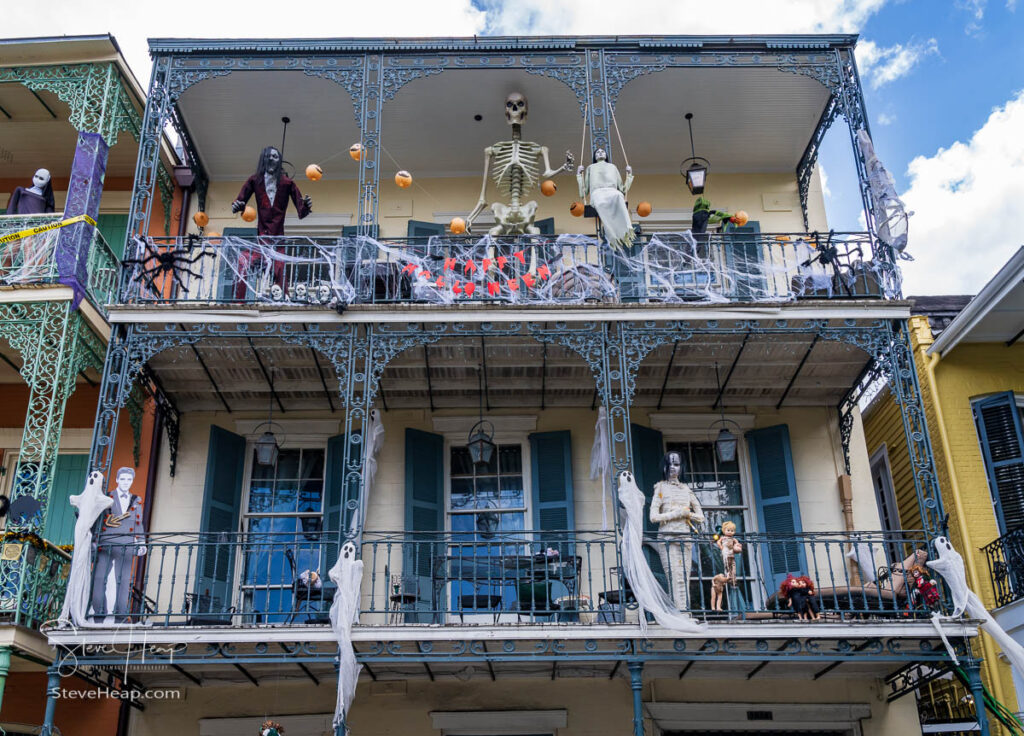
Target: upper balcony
[(761, 107)]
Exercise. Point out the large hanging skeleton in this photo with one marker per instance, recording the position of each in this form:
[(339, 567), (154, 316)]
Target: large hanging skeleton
[(515, 168)]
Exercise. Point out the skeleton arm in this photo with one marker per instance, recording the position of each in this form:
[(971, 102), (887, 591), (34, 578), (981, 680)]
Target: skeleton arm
[(629, 180), (482, 202), (548, 171)]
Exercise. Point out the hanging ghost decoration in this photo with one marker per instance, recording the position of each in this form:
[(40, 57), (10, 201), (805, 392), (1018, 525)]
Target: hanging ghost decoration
[(601, 461), (90, 503), (347, 574)]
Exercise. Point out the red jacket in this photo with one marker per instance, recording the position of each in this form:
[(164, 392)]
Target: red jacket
[(270, 218)]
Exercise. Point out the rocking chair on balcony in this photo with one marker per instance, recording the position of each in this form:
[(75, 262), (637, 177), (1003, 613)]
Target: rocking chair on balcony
[(311, 595)]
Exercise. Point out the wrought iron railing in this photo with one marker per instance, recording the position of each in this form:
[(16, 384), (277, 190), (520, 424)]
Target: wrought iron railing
[(1006, 566), (661, 267), (500, 578), (31, 259), (33, 578)]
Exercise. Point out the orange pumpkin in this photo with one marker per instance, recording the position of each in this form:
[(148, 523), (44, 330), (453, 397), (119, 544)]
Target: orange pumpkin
[(643, 209), (356, 151), (457, 226), (249, 215), (314, 172), (403, 179), (211, 234), (201, 219), (740, 218), (576, 209), (547, 188)]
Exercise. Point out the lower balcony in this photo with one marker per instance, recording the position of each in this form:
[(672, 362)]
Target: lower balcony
[(33, 578), (508, 579)]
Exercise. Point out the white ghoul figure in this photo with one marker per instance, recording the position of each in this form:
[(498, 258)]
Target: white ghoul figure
[(515, 168), (91, 502), (648, 593), (951, 566), (347, 574), (603, 183)]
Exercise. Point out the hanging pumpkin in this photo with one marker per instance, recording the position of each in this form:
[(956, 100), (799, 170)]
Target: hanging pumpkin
[(356, 151), (643, 209), (548, 188), (576, 209), (249, 215), (739, 219), (457, 226), (314, 172), (212, 234), (201, 219), (403, 179)]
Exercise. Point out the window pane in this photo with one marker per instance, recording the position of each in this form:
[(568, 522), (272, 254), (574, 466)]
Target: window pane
[(703, 462), (312, 464), (511, 459), (462, 493), (288, 464), (461, 464), (260, 499), (310, 496), (286, 497), (261, 472)]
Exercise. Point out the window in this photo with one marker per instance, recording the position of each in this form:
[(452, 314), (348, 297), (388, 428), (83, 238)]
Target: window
[(881, 479), (283, 519), (1000, 419)]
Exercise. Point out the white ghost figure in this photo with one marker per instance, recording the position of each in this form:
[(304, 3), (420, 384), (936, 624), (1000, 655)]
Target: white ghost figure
[(91, 502), (601, 461), (648, 593), (347, 575), (951, 566), (861, 553)]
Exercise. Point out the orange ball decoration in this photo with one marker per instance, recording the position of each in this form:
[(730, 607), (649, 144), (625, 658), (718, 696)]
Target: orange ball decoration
[(356, 151), (740, 218), (403, 179), (576, 209), (548, 187), (211, 234), (201, 219), (457, 226), (643, 209), (249, 215), (314, 172)]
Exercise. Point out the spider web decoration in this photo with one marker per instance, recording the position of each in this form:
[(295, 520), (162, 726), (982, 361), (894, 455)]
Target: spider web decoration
[(28, 259)]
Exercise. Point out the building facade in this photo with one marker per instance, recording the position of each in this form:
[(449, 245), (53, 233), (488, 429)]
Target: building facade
[(461, 406)]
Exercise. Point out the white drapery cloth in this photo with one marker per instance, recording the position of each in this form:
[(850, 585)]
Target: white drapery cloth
[(375, 441), (601, 461), (860, 552), (648, 593), (891, 216), (91, 502), (610, 204), (347, 575)]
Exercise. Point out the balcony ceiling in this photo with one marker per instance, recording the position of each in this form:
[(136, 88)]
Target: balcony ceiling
[(520, 373), (745, 120)]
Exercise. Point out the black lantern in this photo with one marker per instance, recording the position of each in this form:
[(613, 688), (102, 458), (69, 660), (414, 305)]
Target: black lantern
[(726, 441), (695, 168), (267, 447), (481, 442)]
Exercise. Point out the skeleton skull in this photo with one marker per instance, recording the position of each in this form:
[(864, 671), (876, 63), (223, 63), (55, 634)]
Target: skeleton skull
[(516, 108)]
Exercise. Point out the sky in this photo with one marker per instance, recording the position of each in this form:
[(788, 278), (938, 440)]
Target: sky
[(943, 83)]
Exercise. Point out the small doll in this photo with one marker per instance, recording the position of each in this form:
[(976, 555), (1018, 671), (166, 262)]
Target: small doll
[(729, 547), (799, 592), (925, 589)]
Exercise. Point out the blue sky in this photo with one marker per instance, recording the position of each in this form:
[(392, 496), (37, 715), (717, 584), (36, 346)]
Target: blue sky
[(943, 79)]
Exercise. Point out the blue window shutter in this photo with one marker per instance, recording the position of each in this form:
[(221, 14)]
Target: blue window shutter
[(648, 451), (551, 487), (222, 499), (68, 479), (419, 229), (424, 511), (745, 259), (778, 508), (1002, 445), (334, 497), (546, 226)]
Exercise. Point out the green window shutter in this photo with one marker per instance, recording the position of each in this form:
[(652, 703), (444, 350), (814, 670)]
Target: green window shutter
[(546, 226), (551, 479), (334, 497), (225, 274), (222, 499), (1002, 445), (648, 451), (115, 231), (778, 508), (420, 229), (424, 511), (68, 479), (745, 261)]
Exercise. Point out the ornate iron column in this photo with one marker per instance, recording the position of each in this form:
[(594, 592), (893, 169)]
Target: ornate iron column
[(369, 163), (636, 684), (973, 670), (52, 691), (161, 96), (598, 106)]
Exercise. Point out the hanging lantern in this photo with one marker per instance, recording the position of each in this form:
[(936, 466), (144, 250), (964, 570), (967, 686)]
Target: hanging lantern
[(314, 172), (201, 219), (695, 168), (267, 449), (249, 215), (725, 445), (403, 179), (643, 209), (481, 443), (356, 151), (548, 188)]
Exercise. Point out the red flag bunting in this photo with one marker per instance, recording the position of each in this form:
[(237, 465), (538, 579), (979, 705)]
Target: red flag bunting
[(449, 264), (493, 288), (502, 260), (544, 271), (409, 268), (513, 284), (529, 280), (520, 256), (485, 264), (470, 267), (457, 288), (470, 288)]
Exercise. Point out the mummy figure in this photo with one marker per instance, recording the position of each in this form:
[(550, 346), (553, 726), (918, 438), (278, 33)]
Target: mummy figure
[(515, 167)]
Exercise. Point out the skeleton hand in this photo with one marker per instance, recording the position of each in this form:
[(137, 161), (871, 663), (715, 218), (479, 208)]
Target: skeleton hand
[(569, 161), (308, 201), (237, 206), (629, 170), (579, 169)]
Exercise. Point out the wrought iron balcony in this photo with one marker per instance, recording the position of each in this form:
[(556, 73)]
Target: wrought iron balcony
[(32, 259), (1006, 566), (567, 269), (33, 578), (507, 578)]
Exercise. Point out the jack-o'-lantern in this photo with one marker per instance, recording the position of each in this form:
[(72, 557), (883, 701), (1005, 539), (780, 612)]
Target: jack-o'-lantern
[(249, 215), (576, 209), (201, 219), (356, 151), (548, 188), (212, 234), (314, 172), (643, 209), (740, 218), (403, 179), (457, 226)]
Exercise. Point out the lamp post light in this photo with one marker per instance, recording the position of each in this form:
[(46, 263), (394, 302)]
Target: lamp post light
[(694, 169)]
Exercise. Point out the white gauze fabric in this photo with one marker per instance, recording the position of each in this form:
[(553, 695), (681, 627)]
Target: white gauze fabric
[(601, 461), (610, 204), (860, 552), (347, 575), (91, 502), (891, 216), (648, 593)]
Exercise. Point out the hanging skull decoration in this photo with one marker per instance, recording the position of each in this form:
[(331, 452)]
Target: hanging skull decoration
[(516, 108)]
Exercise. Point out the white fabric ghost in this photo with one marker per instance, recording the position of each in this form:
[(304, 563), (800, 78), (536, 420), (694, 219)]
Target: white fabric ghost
[(861, 553), (601, 461), (375, 441), (951, 566), (648, 593), (91, 502), (891, 216), (347, 574)]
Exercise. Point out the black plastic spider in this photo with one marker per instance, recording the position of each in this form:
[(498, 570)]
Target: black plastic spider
[(176, 261)]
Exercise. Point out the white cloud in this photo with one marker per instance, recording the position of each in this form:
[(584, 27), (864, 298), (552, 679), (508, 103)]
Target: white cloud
[(976, 11), (886, 118), (824, 182), (967, 200), (880, 66)]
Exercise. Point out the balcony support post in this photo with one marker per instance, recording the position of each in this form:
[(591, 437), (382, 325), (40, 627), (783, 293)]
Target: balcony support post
[(160, 99), (52, 691), (84, 191), (369, 125), (978, 693), (636, 684), (5, 667), (598, 105)]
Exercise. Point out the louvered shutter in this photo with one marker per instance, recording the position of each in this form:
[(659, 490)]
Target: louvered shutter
[(1002, 445), (424, 513), (551, 478), (334, 497), (225, 467)]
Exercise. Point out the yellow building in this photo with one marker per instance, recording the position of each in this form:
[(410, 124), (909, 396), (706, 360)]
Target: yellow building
[(970, 362)]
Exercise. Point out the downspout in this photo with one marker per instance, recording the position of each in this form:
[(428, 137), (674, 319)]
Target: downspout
[(991, 655)]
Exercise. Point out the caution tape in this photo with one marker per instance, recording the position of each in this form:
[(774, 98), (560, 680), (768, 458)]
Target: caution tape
[(49, 226)]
